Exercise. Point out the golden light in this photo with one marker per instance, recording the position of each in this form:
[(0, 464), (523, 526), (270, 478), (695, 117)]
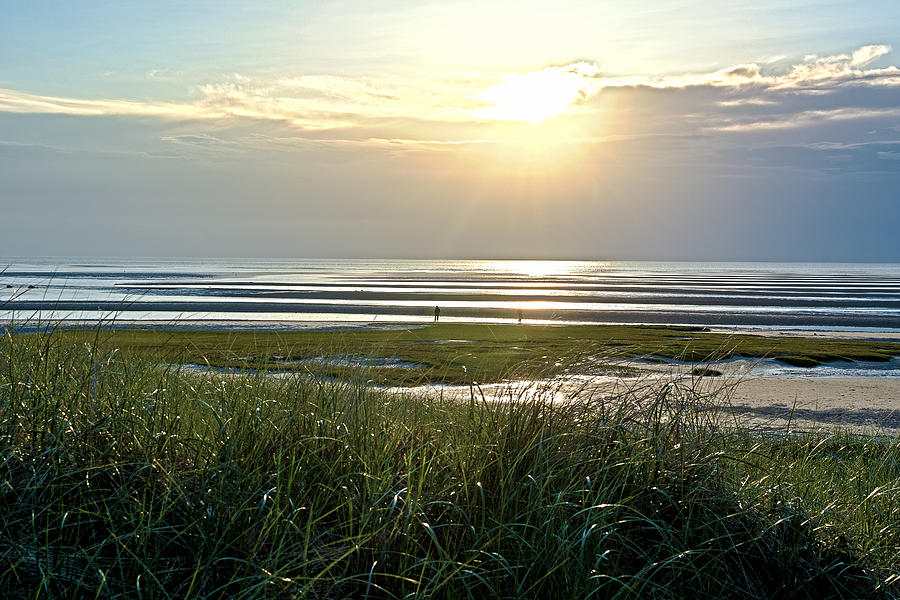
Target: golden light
[(539, 95), (541, 268), (534, 268)]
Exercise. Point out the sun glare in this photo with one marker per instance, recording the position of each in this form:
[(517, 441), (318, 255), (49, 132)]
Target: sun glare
[(540, 95), (534, 268)]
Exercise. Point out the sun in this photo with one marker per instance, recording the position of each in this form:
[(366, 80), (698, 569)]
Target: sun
[(539, 95)]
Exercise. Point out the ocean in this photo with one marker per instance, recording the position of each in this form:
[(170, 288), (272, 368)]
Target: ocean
[(293, 294)]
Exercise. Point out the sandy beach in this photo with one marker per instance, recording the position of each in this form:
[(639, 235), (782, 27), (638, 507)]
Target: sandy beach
[(802, 400), (872, 335), (870, 405)]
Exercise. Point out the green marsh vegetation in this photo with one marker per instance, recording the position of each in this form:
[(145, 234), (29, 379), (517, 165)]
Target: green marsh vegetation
[(121, 476), (463, 353)]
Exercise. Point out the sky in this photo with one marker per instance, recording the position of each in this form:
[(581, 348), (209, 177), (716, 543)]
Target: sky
[(659, 130)]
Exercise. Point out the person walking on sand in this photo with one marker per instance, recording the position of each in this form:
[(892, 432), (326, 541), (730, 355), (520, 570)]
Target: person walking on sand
[(437, 313), (520, 315)]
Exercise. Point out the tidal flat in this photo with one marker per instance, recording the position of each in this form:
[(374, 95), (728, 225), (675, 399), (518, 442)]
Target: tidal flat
[(459, 353)]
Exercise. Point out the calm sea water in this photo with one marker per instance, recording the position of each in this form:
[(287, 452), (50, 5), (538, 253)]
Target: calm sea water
[(298, 293)]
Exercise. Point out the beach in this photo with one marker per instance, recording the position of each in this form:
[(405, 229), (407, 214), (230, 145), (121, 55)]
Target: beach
[(789, 300), (289, 293), (859, 405), (361, 442)]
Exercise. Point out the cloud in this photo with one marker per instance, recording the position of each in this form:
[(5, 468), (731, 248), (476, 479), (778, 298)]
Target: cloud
[(195, 139), (807, 118), (867, 54), (19, 147), (13, 101), (825, 97), (816, 70), (164, 74), (742, 89), (309, 102), (747, 102), (814, 91), (811, 71)]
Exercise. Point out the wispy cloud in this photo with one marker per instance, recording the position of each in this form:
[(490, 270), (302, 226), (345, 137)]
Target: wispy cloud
[(807, 118), (748, 98), (308, 102), (65, 149), (739, 98), (812, 70), (13, 101), (196, 139)]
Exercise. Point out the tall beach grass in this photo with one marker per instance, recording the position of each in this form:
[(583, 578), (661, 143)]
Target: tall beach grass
[(120, 477)]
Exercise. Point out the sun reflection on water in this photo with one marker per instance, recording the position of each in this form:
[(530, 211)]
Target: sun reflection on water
[(538, 269)]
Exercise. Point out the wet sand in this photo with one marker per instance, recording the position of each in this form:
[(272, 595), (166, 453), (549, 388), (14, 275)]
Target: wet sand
[(859, 404), (188, 323), (802, 401), (869, 405), (870, 335), (563, 313)]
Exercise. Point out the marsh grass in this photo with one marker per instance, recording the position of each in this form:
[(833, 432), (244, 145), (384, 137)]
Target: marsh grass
[(124, 478), (462, 353)]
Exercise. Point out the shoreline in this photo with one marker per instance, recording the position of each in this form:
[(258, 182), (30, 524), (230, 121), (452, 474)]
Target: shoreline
[(869, 334), (860, 405), (713, 316)]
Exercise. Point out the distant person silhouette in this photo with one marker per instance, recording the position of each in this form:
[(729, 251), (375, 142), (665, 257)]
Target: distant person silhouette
[(437, 313), (520, 315)]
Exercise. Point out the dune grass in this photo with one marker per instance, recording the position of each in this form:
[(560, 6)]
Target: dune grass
[(460, 353), (120, 477)]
